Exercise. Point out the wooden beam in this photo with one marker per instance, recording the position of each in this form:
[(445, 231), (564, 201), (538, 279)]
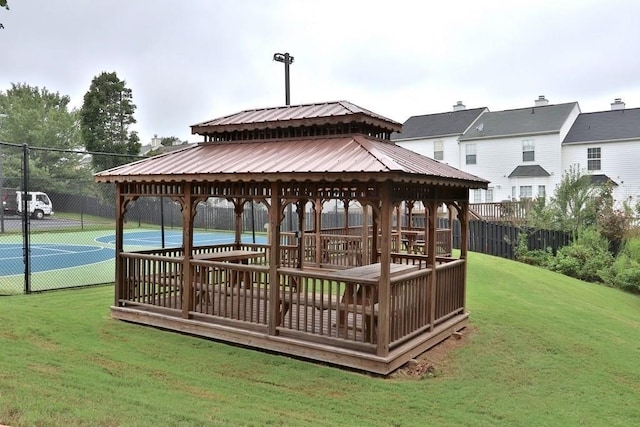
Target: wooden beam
[(431, 246), (187, 245), (120, 212), (301, 219), (384, 286), (365, 233), (463, 217), (238, 208), (317, 223), (275, 216), (464, 231)]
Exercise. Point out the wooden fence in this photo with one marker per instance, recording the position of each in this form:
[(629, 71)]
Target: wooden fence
[(501, 239)]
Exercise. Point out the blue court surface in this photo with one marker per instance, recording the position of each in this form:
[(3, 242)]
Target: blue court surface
[(50, 256), (173, 238), (56, 256)]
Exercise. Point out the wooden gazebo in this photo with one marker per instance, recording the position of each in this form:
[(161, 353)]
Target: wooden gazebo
[(351, 296)]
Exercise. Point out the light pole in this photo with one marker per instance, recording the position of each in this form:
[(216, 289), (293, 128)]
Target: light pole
[(287, 60)]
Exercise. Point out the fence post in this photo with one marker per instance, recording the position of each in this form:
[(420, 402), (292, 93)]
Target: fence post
[(26, 219)]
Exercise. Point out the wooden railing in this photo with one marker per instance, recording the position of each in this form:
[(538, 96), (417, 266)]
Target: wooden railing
[(409, 305), (319, 311), (502, 211), (151, 279), (340, 250), (231, 291), (313, 304), (449, 289)]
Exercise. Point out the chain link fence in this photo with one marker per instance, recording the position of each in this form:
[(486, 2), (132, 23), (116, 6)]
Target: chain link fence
[(59, 232), (57, 226)]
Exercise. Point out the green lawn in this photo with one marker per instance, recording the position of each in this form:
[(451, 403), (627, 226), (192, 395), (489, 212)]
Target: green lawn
[(545, 350)]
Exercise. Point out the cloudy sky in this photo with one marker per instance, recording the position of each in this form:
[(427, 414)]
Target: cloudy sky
[(192, 60)]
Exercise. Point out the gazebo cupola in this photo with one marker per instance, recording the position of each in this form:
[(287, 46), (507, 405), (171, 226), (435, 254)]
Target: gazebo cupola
[(301, 121)]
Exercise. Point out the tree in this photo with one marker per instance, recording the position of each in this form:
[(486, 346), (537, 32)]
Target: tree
[(105, 119), (39, 118), (573, 207), (3, 4), (169, 141)]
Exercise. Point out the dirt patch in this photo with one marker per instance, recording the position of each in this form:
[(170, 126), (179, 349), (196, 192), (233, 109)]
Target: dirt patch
[(436, 358)]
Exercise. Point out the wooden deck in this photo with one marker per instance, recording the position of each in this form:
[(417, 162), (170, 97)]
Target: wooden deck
[(328, 315)]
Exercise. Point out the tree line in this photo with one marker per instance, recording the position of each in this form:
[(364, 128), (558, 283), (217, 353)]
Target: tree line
[(67, 136)]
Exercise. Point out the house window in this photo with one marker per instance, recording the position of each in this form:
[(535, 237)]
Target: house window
[(528, 151), (525, 192), (513, 192), (489, 198), (477, 196), (542, 192), (593, 159), (471, 154), (438, 150)]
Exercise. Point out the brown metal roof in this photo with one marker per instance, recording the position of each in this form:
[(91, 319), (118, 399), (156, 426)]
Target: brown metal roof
[(303, 159), (293, 115)]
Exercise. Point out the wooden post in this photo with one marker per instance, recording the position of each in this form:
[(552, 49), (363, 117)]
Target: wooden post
[(275, 212), (450, 229), (384, 285), (238, 208), (345, 205), (365, 235), (317, 223), (375, 222), (120, 212), (430, 246), (301, 218), (463, 216), (187, 245)]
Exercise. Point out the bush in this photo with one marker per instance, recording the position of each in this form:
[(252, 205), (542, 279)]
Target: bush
[(588, 258), (625, 271), (539, 257)]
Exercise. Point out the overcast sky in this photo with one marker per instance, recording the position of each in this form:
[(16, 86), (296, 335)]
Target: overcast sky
[(193, 60)]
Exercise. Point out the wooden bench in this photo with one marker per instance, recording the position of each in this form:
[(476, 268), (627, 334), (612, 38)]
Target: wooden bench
[(170, 280), (205, 292)]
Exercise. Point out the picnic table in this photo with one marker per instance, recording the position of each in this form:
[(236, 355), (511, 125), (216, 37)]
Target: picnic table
[(236, 256)]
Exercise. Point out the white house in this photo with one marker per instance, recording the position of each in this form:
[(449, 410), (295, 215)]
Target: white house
[(606, 145), (519, 151), (436, 135), (524, 152)]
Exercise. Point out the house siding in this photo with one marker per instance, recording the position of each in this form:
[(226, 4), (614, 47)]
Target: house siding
[(619, 161), (496, 158), (425, 147)]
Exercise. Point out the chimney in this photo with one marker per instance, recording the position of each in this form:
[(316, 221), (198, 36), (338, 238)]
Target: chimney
[(459, 106), (617, 104), (155, 141), (541, 101)]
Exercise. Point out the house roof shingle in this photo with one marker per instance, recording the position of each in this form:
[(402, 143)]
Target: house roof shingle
[(609, 125), (434, 125), (522, 121), (529, 171), (599, 179)]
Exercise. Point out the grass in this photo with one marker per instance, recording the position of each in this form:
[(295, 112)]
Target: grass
[(547, 350)]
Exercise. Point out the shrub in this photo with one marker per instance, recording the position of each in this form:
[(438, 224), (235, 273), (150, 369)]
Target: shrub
[(625, 271), (539, 257), (588, 258), (615, 225)]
